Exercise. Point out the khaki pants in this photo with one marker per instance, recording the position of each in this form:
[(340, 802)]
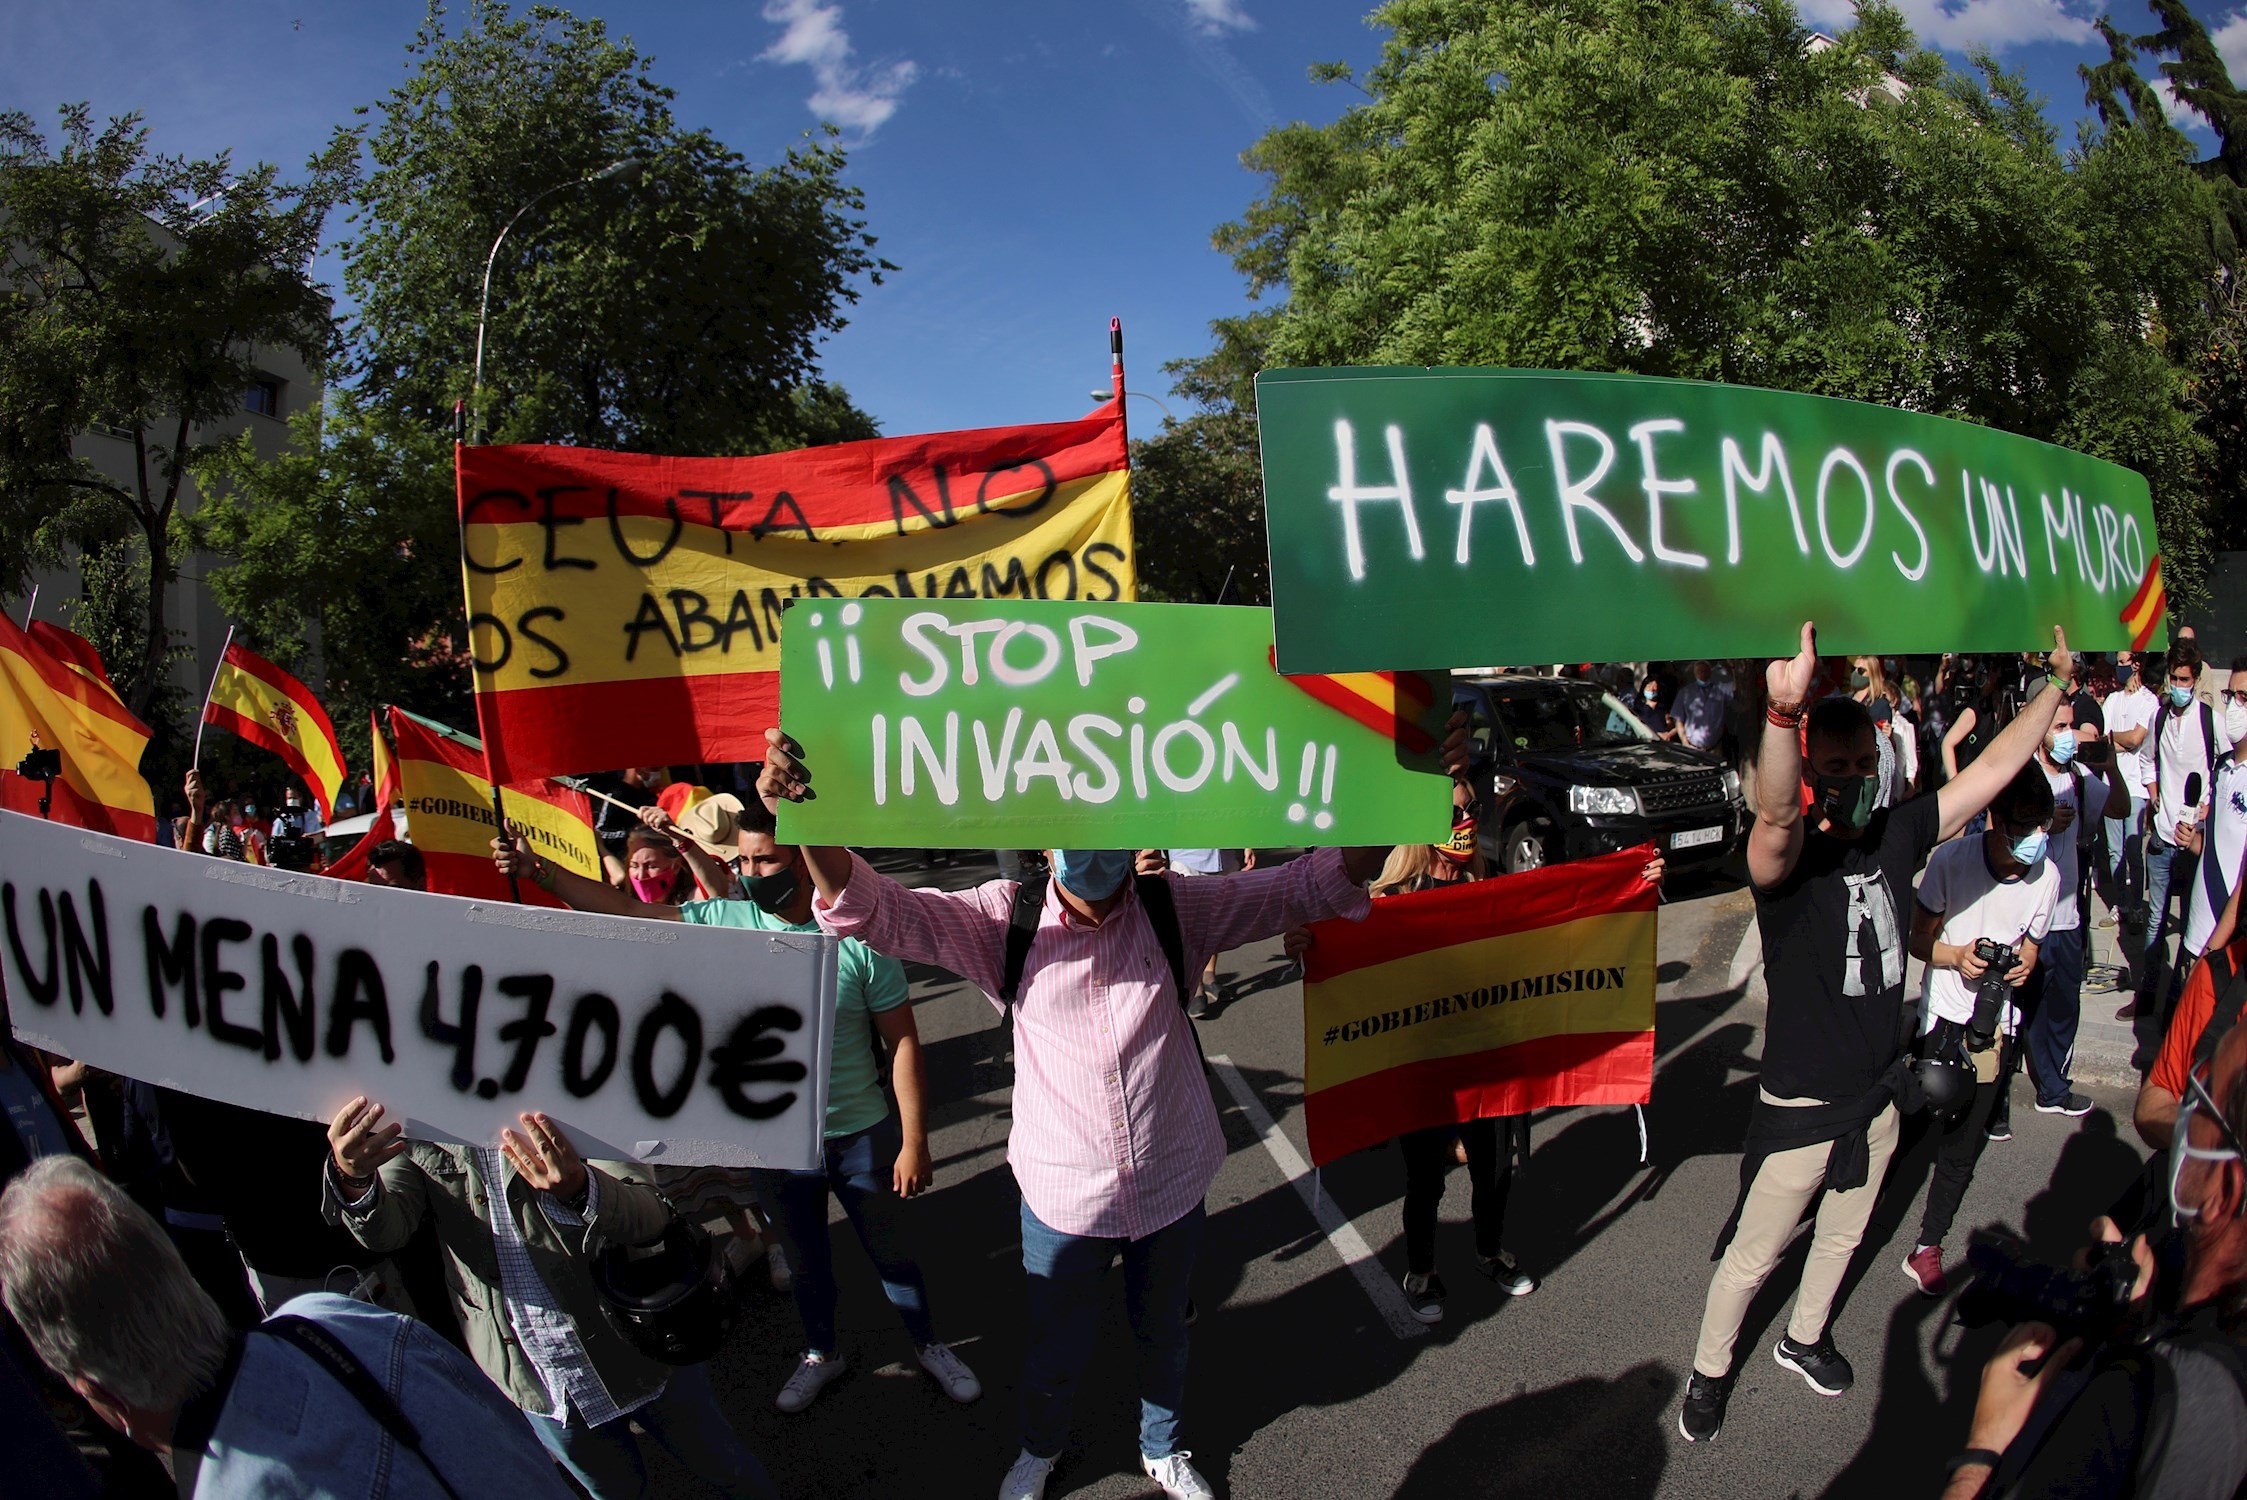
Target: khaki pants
[(1782, 1189)]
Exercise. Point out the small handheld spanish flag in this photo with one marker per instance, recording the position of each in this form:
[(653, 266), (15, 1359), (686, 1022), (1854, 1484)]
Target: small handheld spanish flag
[(274, 711), (1397, 704), (2144, 613)]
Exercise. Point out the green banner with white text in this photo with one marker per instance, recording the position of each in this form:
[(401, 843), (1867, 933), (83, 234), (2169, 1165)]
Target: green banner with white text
[(961, 723), (1423, 518)]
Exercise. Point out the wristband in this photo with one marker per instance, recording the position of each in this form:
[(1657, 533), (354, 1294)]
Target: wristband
[(1784, 715), (1985, 1457), (542, 876)]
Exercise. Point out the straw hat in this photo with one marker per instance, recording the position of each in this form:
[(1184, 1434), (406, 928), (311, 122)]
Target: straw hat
[(712, 820)]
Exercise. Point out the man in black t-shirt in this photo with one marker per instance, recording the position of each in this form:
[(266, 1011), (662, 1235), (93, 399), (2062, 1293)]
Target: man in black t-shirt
[(1833, 889)]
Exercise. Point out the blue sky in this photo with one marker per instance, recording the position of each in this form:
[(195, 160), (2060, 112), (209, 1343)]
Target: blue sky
[(1033, 167)]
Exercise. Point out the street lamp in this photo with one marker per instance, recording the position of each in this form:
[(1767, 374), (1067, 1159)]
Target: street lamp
[(623, 168), (1142, 395)]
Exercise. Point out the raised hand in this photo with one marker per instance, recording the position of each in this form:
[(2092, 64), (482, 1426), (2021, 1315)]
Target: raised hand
[(785, 778), (2061, 662), (360, 1142), (1790, 679), (543, 1157), (513, 856)]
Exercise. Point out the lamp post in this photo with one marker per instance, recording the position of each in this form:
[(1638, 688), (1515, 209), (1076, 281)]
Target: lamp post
[(624, 168), (1142, 395)]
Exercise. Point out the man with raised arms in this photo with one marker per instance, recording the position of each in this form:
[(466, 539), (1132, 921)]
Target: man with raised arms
[(1115, 1139), (1832, 887)]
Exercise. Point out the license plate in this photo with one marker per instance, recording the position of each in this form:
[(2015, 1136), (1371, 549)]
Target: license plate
[(1695, 837)]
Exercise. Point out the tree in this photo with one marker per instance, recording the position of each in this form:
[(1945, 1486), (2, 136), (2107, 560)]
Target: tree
[(1691, 188), (674, 308), (136, 290)]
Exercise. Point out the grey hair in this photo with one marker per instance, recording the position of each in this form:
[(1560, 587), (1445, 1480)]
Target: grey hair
[(100, 1290)]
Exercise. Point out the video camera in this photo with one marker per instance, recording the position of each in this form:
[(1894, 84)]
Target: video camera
[(2009, 1288), (1991, 991), (292, 851)]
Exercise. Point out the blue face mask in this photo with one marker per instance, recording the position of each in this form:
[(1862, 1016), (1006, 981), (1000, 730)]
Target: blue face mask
[(2063, 746), (2179, 696), (2029, 847), (1092, 874)]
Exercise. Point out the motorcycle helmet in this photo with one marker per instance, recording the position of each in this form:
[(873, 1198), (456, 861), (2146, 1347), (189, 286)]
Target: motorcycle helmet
[(1942, 1072), (674, 1299)]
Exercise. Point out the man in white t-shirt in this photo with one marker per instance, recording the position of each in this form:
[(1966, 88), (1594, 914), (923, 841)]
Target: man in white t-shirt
[(2000, 887), (2221, 843), (2129, 712), (2084, 782), (2182, 749), (1701, 708)]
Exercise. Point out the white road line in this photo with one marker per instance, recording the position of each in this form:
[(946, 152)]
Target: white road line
[(1747, 956), (1341, 1234)]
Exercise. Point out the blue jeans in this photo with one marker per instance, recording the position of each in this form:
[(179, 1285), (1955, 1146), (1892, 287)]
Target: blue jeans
[(2126, 852), (2053, 999), (858, 1174), (685, 1420), (2169, 870), (1066, 1273)]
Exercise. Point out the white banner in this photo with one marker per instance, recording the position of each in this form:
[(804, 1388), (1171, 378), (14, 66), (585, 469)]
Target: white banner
[(661, 1041)]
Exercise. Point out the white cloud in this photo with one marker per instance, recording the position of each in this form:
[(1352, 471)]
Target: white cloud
[(1955, 25), (2231, 43), (857, 98), (1216, 17)]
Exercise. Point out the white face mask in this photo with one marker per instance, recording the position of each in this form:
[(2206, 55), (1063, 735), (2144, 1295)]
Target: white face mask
[(2182, 1150), (2235, 721)]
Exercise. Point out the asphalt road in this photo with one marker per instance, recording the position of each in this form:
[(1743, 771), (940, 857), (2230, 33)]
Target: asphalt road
[(1301, 1386)]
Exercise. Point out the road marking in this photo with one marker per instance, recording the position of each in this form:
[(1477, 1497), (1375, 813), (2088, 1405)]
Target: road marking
[(1747, 957), (1341, 1234)]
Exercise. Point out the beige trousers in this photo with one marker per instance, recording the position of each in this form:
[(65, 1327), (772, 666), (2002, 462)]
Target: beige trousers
[(1782, 1189)]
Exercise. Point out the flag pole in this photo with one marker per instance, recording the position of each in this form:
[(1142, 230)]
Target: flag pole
[(1116, 373), (204, 717), (32, 608)]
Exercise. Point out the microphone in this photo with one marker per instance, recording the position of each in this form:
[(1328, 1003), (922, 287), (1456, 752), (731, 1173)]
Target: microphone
[(2192, 791)]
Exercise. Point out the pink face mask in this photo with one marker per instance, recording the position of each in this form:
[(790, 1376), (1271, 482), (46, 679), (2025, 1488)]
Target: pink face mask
[(652, 889)]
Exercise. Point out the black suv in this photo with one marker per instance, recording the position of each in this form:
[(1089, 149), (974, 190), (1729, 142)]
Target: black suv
[(1565, 770)]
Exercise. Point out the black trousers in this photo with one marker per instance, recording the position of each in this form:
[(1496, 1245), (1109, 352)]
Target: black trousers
[(1427, 1160), (1960, 1147)]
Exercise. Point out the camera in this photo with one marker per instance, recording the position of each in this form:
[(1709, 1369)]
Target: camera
[(40, 765), (2009, 1288), (1991, 991), (291, 852)]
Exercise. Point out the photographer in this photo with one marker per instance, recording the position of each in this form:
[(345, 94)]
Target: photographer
[(1984, 907), (2163, 1413)]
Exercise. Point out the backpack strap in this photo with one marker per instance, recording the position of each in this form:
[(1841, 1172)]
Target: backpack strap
[(1021, 932), (2083, 855), (327, 1351), (2231, 992), (1162, 914)]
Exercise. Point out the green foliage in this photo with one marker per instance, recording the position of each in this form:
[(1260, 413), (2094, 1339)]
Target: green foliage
[(1689, 188), (138, 288)]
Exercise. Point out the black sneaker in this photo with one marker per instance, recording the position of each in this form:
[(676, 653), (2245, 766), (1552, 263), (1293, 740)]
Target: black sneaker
[(2072, 1104), (1701, 1418), (1507, 1273), (2001, 1130), (1425, 1294), (1820, 1364)]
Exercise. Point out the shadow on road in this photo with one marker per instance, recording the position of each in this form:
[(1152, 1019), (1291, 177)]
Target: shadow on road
[(1603, 1437)]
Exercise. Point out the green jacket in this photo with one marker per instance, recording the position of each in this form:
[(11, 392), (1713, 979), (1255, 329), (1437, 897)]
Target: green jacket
[(441, 1183)]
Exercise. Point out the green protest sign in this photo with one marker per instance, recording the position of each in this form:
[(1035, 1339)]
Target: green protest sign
[(962, 723), (1464, 517)]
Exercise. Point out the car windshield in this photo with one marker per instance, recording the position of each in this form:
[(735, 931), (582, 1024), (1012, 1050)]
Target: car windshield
[(1566, 716)]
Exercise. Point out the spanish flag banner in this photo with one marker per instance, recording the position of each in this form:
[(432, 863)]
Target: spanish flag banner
[(382, 826), (48, 703), (449, 814), (1493, 997), (73, 650), (624, 609), (2148, 607), (274, 711)]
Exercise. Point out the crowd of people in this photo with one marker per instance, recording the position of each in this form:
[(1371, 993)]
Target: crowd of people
[(267, 1306)]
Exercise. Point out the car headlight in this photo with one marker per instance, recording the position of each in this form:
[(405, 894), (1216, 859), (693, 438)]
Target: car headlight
[(1502, 785), (1731, 784), (1602, 801)]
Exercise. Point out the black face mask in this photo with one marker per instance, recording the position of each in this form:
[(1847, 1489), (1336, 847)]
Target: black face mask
[(772, 893), (1844, 801)]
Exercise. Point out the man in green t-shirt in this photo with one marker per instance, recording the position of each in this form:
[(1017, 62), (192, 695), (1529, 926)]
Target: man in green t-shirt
[(874, 1157)]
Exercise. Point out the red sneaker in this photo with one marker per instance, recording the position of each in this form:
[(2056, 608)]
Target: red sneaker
[(1925, 1267)]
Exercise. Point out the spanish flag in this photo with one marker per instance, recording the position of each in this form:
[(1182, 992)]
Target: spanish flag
[(1493, 997), (75, 651), (274, 711), (625, 609), (383, 825), (48, 703), (1396, 704), (449, 814), (2147, 607)]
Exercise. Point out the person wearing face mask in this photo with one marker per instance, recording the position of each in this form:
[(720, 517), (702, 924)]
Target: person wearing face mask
[(2161, 1409), (2182, 750), (2129, 712), (874, 1157), (1999, 887), (1648, 706), (1114, 1140), (1831, 886), (655, 872), (2052, 1002), (2218, 843)]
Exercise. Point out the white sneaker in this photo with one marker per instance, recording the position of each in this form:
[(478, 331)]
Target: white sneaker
[(950, 1372), (809, 1378), (1177, 1478), (1026, 1480), (776, 1262)]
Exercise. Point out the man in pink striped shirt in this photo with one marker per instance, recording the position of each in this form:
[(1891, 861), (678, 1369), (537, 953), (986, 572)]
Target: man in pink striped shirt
[(1115, 1139)]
